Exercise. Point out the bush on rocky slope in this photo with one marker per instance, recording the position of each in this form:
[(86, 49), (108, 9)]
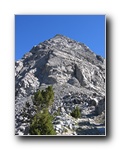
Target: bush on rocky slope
[(76, 113), (42, 124), (44, 98)]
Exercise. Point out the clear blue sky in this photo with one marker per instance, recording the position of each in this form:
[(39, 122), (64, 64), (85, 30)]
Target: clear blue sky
[(30, 30)]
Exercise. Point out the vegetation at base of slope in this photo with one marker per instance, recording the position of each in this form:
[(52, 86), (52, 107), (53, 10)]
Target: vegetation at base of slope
[(41, 123), (76, 113)]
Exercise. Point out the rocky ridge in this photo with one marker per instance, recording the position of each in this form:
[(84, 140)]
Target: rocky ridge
[(78, 79)]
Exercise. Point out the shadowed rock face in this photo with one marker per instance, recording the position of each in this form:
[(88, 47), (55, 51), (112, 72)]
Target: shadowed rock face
[(71, 67)]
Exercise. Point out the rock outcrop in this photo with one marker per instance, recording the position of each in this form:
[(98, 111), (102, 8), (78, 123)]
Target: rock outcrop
[(78, 79)]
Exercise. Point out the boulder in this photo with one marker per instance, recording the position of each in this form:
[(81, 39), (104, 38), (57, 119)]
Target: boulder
[(93, 102), (79, 75), (20, 133), (70, 126), (74, 81), (100, 107)]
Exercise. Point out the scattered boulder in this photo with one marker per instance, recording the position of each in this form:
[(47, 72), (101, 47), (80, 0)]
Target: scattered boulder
[(100, 107), (73, 81)]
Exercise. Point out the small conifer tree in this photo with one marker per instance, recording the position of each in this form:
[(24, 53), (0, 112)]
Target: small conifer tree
[(76, 113), (42, 124), (44, 98)]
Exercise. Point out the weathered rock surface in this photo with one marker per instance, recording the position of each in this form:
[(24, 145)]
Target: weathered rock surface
[(78, 79)]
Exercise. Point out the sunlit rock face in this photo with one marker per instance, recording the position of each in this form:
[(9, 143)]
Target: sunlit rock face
[(78, 79)]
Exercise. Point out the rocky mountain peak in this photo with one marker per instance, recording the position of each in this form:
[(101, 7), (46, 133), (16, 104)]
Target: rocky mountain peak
[(59, 36), (75, 72)]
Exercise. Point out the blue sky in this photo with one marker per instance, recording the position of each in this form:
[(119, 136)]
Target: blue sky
[(30, 30)]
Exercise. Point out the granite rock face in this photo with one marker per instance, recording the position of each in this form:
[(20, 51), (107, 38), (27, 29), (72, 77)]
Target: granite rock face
[(78, 79)]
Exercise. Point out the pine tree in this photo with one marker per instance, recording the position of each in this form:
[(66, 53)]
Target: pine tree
[(76, 113), (49, 96), (42, 124), (38, 98), (44, 98)]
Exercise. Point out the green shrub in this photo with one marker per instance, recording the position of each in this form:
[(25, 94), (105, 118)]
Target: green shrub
[(48, 96), (38, 98), (44, 98), (41, 124), (76, 113)]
